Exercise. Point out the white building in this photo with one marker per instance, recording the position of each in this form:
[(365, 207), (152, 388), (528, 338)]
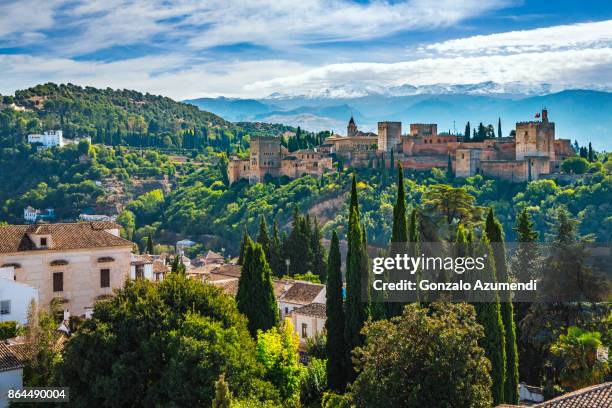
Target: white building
[(300, 294), (48, 139), (141, 267), (96, 217), (309, 320), (15, 297), (32, 215), (12, 359), (181, 245)]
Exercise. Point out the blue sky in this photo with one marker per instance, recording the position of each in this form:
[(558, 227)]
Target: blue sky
[(252, 48)]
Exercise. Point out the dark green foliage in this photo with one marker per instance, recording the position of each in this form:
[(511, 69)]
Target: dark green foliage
[(357, 290), (499, 131), (243, 243), (277, 263), (313, 383), (8, 329), (336, 345), (297, 246), (159, 344), (467, 133), (223, 396), (317, 261), (255, 297), (149, 248), (427, 357), (495, 235), (450, 174), (399, 234), (263, 239), (489, 315)]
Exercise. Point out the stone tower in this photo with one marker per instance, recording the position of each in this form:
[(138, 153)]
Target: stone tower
[(388, 135), (351, 129), (265, 157), (535, 138)]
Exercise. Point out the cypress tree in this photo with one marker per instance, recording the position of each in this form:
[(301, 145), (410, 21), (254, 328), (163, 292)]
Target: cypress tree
[(494, 233), (149, 247), (467, 133), (499, 131), (356, 309), (450, 174), (277, 264), (245, 238), (263, 239), (317, 261), (399, 233), (591, 156), (334, 325), (255, 297), (488, 314)]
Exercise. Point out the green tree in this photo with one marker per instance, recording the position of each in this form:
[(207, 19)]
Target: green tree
[(317, 262), (255, 297), (488, 314), (427, 357), (313, 383), (575, 165), (44, 352), (277, 263), (263, 239), (334, 325), (245, 239), (467, 133), (162, 343), (223, 396), (127, 220), (357, 309), (499, 131), (399, 233), (495, 235), (450, 174), (149, 247), (277, 350), (581, 365)]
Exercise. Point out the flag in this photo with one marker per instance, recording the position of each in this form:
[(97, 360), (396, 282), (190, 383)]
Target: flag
[(537, 115)]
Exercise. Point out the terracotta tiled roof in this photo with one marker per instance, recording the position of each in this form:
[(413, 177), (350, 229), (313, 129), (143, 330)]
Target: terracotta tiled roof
[(11, 357), (596, 396), (302, 293), (228, 269), (281, 286), (159, 267), (14, 238), (213, 257), (313, 309), (229, 286)]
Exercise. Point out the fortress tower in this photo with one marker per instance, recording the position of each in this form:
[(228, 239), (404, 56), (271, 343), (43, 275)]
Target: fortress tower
[(535, 138), (265, 157), (351, 129), (388, 135)]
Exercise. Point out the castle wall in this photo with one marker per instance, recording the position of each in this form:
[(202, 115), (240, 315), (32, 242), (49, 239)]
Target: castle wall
[(511, 170), (535, 139), (423, 129), (467, 162), (265, 157), (238, 169)]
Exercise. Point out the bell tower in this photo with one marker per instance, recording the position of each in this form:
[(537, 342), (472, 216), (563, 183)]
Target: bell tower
[(351, 129)]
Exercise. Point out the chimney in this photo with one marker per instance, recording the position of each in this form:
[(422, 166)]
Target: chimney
[(545, 115)]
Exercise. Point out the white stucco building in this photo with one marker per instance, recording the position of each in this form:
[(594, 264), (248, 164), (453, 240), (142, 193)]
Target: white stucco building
[(12, 359), (309, 320), (48, 139), (300, 294), (15, 297)]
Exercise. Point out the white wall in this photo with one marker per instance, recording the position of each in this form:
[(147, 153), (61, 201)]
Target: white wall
[(9, 380), (20, 295), (314, 325)]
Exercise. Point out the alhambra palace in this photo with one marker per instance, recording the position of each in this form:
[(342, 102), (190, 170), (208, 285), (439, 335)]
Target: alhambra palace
[(531, 154)]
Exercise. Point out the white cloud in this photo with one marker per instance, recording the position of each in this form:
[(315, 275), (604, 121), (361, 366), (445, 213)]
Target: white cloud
[(583, 35)]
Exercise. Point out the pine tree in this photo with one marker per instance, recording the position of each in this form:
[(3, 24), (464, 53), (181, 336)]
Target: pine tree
[(255, 297), (334, 325), (488, 314), (149, 247), (591, 156), (263, 239), (467, 133), (277, 264), (357, 310), (494, 233), (223, 397), (499, 131)]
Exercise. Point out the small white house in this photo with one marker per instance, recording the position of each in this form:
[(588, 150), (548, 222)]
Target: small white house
[(300, 294), (15, 297), (48, 139), (12, 358), (309, 320), (142, 267)]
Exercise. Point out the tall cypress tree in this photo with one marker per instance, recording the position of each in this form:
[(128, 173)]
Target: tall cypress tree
[(255, 297), (317, 261), (149, 247), (277, 264), (356, 309), (399, 233), (499, 131), (467, 133), (334, 325), (263, 239), (450, 174), (488, 314), (245, 238), (494, 233)]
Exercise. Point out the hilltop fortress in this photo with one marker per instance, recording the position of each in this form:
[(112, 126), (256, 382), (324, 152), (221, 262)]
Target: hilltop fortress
[(532, 153)]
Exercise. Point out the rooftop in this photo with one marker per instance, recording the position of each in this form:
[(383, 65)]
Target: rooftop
[(599, 395), (12, 357), (314, 309), (14, 238), (302, 293)]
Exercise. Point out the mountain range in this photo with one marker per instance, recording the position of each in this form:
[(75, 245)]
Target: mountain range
[(583, 115)]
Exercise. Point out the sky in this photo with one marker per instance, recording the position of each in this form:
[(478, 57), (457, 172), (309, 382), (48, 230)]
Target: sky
[(253, 48)]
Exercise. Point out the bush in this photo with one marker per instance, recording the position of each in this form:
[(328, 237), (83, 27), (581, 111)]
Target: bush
[(8, 329), (313, 382)]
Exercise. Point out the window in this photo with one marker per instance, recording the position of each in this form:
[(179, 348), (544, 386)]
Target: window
[(104, 278), (304, 330), (139, 272), (58, 282), (286, 310), (5, 307), (43, 242)]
